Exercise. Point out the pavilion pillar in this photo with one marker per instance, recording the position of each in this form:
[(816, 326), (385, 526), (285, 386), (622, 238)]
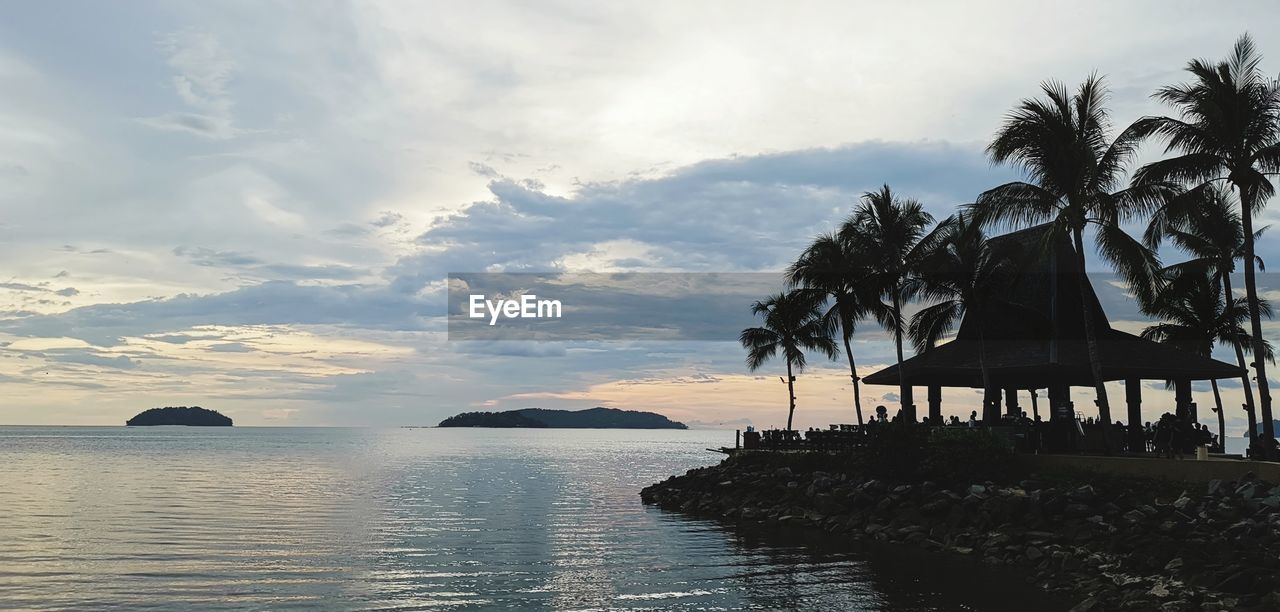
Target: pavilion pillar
[(991, 406), (1060, 402), (1035, 406), (1061, 431), (1133, 397), (1182, 397), (1011, 407), (935, 404)]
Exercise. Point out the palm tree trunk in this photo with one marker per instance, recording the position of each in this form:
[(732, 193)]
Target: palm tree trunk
[(1244, 378), (1222, 420), (982, 367), (1091, 341), (904, 391), (1255, 317), (791, 394), (853, 373)]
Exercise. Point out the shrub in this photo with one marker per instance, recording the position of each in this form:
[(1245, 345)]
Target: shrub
[(907, 452)]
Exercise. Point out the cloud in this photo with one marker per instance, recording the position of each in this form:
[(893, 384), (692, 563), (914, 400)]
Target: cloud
[(269, 303), (745, 213), (13, 286), (331, 189), (201, 256), (255, 266), (203, 72), (510, 349), (231, 347), (192, 123), (740, 214), (90, 358)]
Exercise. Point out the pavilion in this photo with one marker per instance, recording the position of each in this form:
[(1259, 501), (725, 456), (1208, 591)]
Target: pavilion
[(1034, 339)]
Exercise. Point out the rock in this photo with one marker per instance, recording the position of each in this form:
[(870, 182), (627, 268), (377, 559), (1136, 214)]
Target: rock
[(1085, 493), (1091, 604), (1123, 548), (1077, 510)]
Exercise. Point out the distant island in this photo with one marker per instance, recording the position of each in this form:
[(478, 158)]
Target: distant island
[(592, 418), (180, 415), (1274, 422)]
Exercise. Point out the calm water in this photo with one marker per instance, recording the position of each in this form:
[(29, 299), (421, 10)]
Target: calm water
[(414, 519)]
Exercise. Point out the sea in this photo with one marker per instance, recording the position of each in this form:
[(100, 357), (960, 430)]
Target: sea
[(98, 518)]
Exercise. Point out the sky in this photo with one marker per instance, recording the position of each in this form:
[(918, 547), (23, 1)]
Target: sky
[(255, 206)]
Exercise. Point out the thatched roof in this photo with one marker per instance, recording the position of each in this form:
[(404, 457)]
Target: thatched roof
[(1035, 336)]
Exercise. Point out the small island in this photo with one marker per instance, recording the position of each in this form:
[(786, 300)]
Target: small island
[(180, 415), (592, 418)]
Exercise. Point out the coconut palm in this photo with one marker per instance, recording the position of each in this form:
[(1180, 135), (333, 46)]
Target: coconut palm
[(835, 268), (962, 274), (1227, 130), (1204, 224), (1074, 177), (792, 324), (1197, 315), (894, 233)]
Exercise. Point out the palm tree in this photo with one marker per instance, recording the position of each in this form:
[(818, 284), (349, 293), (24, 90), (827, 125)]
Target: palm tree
[(962, 274), (1204, 224), (792, 324), (1228, 129), (834, 267), (1074, 172), (893, 232), (1197, 315)]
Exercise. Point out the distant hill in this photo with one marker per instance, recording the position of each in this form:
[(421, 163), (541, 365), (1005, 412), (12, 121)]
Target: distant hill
[(180, 415), (1275, 422), (592, 418)]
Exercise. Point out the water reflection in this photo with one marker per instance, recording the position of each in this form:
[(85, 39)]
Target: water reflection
[(421, 519)]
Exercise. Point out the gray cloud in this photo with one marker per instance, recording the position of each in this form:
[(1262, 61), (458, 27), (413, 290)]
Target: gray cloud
[(270, 303), (13, 286), (91, 358), (193, 123)]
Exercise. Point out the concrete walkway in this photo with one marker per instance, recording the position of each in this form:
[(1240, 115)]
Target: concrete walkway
[(1187, 469)]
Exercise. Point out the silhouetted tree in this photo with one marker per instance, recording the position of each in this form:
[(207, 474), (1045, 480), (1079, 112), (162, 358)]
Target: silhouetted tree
[(1204, 224), (792, 324), (1195, 316), (894, 234), (962, 274), (1074, 174), (833, 266), (1227, 129)]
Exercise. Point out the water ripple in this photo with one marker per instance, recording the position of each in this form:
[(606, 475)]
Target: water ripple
[(244, 518)]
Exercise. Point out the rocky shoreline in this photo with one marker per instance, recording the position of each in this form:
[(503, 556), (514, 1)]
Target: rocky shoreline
[(1110, 544)]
